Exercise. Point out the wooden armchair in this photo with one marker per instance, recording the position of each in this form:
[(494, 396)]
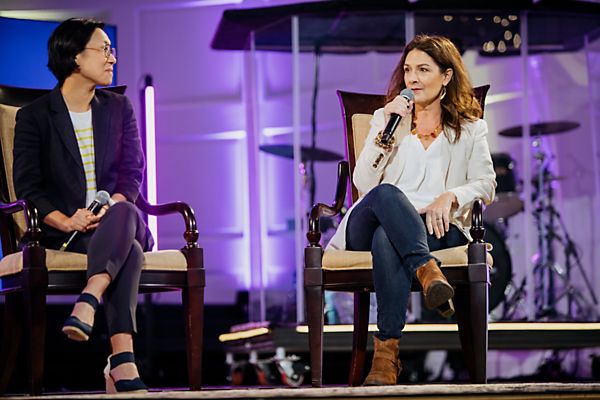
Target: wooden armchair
[(465, 267), (28, 276)]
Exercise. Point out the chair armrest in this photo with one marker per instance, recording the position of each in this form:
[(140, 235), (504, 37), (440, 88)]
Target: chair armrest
[(323, 210), (191, 232), (33, 233), (477, 249), (477, 230)]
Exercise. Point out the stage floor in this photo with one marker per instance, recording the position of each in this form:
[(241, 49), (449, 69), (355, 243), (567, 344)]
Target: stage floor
[(490, 391)]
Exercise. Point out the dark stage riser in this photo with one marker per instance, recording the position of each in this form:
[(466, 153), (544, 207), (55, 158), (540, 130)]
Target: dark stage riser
[(418, 337), (160, 347)]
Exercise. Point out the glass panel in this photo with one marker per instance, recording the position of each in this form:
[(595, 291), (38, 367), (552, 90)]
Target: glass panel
[(333, 35), (489, 43), (593, 64), (274, 283), (562, 179)]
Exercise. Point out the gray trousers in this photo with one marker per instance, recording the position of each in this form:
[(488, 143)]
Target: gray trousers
[(117, 247)]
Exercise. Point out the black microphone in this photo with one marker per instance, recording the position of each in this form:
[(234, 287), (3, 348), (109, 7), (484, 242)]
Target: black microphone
[(102, 198), (392, 124)]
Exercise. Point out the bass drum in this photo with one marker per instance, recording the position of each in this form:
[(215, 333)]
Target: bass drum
[(501, 272)]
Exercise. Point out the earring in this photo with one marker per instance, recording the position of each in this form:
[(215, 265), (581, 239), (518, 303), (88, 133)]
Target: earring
[(443, 92)]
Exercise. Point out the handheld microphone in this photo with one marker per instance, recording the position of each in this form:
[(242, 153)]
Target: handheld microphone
[(102, 198), (392, 124)]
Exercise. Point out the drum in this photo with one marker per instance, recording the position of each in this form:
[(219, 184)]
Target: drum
[(501, 273), (507, 201)]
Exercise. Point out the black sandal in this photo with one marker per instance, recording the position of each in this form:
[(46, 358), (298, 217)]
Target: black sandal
[(122, 385), (74, 328)]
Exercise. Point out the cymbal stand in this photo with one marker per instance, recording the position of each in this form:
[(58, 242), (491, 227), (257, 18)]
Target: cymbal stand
[(515, 295), (546, 268), (574, 297)]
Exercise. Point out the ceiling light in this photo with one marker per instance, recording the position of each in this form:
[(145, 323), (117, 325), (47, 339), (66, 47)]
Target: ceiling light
[(517, 41), (501, 46)]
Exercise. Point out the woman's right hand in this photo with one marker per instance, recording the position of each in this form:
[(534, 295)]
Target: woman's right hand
[(399, 106)]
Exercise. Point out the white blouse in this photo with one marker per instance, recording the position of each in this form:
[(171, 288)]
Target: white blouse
[(465, 168), (422, 180)]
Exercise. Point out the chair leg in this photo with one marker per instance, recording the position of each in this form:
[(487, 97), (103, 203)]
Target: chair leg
[(35, 321), (359, 337), (472, 318), (13, 327), (35, 287), (193, 308), (316, 318)]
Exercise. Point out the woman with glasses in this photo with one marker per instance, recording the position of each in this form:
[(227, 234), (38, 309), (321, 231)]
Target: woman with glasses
[(69, 145)]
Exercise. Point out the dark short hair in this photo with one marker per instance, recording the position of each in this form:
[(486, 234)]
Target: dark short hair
[(69, 39)]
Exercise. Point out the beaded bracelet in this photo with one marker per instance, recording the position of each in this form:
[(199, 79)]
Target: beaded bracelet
[(386, 146)]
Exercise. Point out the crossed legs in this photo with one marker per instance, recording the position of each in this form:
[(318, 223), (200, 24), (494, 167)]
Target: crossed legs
[(115, 258)]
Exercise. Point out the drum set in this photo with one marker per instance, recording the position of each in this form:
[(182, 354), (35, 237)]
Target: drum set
[(552, 281)]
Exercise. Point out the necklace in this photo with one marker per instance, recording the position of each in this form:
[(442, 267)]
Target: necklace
[(433, 134)]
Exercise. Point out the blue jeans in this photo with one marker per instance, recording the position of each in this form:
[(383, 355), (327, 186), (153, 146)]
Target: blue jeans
[(388, 225)]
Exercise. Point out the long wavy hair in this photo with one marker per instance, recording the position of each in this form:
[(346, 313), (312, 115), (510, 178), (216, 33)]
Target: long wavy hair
[(460, 104)]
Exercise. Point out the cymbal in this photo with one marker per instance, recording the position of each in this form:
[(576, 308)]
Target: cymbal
[(542, 128), (307, 153)]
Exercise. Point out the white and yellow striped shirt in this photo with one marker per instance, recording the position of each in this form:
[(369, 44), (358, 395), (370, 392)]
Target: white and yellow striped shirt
[(82, 123)]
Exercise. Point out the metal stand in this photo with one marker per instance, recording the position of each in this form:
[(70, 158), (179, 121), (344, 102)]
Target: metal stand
[(513, 300), (551, 229)]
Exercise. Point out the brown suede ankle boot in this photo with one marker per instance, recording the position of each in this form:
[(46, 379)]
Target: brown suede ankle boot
[(386, 365), (436, 289)]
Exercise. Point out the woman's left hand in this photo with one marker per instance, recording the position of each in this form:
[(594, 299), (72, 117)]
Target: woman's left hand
[(96, 221), (437, 214)]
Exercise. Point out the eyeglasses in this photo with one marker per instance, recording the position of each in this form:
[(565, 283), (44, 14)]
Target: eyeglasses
[(107, 50)]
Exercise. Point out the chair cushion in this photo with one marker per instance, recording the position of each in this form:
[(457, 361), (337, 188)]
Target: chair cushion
[(7, 138), (346, 260), (164, 260)]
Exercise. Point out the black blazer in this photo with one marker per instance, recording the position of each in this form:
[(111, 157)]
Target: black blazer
[(48, 170)]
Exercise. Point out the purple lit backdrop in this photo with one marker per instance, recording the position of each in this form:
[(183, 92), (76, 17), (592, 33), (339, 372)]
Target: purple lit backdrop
[(201, 126)]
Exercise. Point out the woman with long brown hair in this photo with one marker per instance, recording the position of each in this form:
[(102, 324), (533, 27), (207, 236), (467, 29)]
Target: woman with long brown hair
[(418, 188)]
